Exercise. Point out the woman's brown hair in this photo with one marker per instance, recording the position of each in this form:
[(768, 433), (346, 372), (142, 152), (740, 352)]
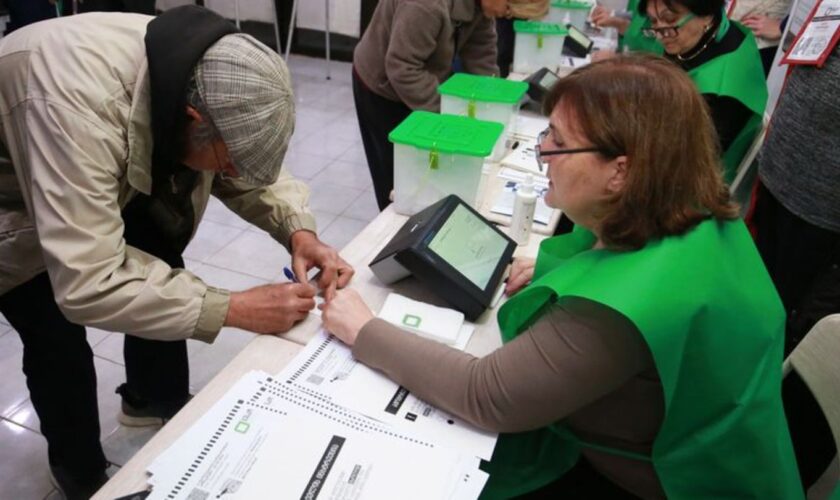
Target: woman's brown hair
[(648, 109)]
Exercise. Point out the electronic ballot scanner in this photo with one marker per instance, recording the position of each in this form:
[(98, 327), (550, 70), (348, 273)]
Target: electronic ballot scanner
[(455, 252)]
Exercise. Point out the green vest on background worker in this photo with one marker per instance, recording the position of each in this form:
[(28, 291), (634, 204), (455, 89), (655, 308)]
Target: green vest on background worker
[(632, 39), (715, 326), (715, 77), (735, 73)]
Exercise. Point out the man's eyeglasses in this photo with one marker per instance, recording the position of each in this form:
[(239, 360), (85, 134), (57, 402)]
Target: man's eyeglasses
[(539, 152), (667, 31)]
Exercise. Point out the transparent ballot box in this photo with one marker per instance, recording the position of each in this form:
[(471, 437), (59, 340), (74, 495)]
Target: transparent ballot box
[(572, 12), (438, 155), (485, 98), (538, 45)]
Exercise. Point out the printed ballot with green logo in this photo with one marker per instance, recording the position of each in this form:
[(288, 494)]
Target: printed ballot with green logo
[(572, 12), (537, 45), (483, 97), (438, 155)]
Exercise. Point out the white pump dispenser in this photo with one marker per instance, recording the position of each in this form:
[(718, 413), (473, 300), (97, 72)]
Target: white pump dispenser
[(523, 211)]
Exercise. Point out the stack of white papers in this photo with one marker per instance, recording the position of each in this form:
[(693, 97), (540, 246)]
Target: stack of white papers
[(326, 368), (529, 126), (326, 427), (523, 158), (441, 324)]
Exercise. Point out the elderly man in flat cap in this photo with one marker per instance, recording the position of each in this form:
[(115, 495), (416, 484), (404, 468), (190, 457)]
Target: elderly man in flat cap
[(114, 131)]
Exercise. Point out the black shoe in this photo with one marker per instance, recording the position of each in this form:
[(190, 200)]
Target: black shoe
[(72, 489), (138, 412)]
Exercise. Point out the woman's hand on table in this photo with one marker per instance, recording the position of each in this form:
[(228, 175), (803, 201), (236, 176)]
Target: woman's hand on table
[(345, 315), (521, 272)]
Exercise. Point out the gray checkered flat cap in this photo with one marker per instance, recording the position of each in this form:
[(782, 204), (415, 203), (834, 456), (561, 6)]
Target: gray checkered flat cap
[(248, 93)]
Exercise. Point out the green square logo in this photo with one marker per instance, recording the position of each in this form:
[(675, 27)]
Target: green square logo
[(242, 427), (411, 321)]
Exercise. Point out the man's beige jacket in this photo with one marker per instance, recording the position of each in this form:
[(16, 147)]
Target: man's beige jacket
[(75, 147)]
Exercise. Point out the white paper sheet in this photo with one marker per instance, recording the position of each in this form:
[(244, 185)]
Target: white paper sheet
[(326, 369), (235, 449), (529, 126), (523, 158), (331, 463)]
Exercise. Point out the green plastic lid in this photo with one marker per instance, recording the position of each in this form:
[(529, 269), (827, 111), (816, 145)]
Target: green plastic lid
[(538, 28), (483, 88), (571, 5), (447, 133)]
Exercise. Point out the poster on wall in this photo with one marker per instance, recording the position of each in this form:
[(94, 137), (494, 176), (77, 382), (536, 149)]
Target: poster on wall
[(799, 12)]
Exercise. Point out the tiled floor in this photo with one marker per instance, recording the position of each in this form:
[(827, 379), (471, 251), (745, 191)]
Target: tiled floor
[(226, 252)]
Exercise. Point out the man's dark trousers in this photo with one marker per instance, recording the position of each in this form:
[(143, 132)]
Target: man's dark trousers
[(378, 116), (59, 369)]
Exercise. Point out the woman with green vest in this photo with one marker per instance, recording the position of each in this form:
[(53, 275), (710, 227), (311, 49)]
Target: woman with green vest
[(642, 352), (722, 58), (629, 24)]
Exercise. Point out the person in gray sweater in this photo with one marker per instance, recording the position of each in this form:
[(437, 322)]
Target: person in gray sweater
[(407, 50), (797, 211), (796, 220)]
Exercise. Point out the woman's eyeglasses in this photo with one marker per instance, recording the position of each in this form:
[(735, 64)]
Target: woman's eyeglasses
[(666, 31), (539, 152)]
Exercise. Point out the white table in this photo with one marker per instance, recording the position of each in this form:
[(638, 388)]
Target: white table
[(271, 353)]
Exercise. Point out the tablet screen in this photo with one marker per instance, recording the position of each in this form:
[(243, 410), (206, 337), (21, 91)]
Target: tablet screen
[(580, 38), (548, 80), (469, 245)]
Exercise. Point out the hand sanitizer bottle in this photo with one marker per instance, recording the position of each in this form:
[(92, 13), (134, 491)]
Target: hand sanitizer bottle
[(523, 211)]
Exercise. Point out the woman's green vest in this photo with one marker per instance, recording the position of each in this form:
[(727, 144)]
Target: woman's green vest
[(715, 326), (632, 39), (739, 75)]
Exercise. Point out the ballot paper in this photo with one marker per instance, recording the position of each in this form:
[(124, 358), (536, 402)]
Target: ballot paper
[(331, 463), (524, 158), (326, 369), (215, 454), (540, 181), (529, 126), (264, 439)]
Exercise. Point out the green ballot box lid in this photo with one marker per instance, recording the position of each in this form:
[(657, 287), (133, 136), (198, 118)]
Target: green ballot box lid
[(447, 133), (537, 28), (483, 88), (571, 5)]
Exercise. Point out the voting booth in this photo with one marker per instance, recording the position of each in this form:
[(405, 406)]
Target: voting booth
[(483, 97), (458, 254), (438, 155), (538, 45)]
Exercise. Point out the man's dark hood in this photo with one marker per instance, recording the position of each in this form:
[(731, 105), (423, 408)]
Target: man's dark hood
[(175, 41)]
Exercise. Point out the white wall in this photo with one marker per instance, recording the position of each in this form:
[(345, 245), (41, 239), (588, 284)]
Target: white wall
[(249, 10), (345, 15)]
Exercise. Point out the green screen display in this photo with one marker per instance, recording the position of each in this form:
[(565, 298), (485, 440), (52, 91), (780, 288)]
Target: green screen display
[(469, 245)]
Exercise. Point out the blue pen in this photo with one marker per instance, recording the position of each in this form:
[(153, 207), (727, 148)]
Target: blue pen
[(289, 274)]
